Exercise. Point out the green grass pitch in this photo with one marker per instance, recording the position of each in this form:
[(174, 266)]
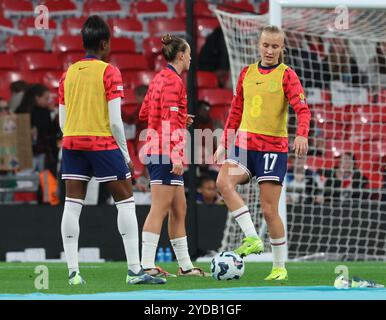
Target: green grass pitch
[(19, 278)]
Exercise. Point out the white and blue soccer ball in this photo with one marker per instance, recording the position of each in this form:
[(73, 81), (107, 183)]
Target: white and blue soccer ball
[(227, 265)]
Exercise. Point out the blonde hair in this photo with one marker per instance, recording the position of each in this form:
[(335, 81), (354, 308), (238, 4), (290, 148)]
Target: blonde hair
[(277, 30)]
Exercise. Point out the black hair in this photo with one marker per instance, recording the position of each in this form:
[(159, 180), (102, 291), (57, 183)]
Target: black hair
[(171, 46), (94, 30), (18, 86), (28, 103), (203, 179)]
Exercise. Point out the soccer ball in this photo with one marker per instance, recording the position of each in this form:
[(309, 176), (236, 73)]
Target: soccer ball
[(227, 265)]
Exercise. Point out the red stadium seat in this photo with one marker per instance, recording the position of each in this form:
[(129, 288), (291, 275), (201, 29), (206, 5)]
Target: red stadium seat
[(133, 79), (206, 79), (12, 8), (129, 27), (216, 96), (39, 62), (69, 58), (73, 26), (237, 7), (129, 98), (7, 26), (316, 163), (201, 9), (205, 26), (219, 112), (328, 112), (67, 43), (61, 8), (129, 61), (152, 47), (122, 45), (25, 44), (334, 130), (51, 79), (102, 7), (7, 62), (149, 9), (5, 93), (27, 25), (371, 113), (7, 77), (160, 27), (159, 63), (367, 131)]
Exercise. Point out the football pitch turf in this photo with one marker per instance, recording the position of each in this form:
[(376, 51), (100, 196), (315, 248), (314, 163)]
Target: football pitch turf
[(109, 277)]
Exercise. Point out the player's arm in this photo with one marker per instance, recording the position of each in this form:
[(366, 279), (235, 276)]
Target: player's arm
[(172, 106), (144, 111), (233, 121), (114, 93), (62, 108), (294, 92)]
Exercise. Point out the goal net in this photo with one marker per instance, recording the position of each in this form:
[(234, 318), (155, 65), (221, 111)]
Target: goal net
[(336, 206)]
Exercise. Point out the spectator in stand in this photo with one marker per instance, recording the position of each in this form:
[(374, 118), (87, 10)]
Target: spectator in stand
[(37, 102), (207, 191), (305, 62), (340, 65), (303, 184), (214, 57), (17, 89), (345, 182)]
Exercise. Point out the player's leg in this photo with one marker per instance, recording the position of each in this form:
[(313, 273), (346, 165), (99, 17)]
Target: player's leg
[(271, 169), (269, 202), (230, 175), (76, 171), (177, 235), (161, 202)]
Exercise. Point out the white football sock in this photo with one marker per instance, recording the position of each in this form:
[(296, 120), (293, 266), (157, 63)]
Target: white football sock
[(180, 247), (243, 218), (149, 248), (279, 250), (128, 228), (70, 232)]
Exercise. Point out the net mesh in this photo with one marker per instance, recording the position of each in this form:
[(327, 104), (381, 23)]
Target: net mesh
[(336, 205)]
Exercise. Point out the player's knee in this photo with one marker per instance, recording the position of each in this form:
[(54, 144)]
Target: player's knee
[(269, 211), (224, 186)]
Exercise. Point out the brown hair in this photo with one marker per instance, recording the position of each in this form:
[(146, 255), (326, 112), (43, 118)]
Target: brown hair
[(274, 29), (171, 46)]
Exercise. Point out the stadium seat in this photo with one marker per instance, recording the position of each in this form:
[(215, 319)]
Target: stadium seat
[(159, 27), (24, 44), (129, 98), (219, 112), (7, 62), (39, 62), (152, 47), (371, 113), (205, 26), (316, 163), (69, 58), (61, 8), (146, 10), (73, 26), (237, 7), (334, 130), (7, 77), (216, 96), (159, 63), (20, 8), (51, 79), (206, 79), (133, 79), (128, 27), (103, 8), (129, 61), (122, 45), (67, 43), (328, 112), (201, 10), (27, 25), (6, 26), (367, 131)]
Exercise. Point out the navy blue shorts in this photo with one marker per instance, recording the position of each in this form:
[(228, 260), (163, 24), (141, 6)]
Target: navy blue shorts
[(104, 165), (264, 165), (159, 167)]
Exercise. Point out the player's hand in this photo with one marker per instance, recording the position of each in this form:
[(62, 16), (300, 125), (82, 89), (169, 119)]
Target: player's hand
[(178, 169), (219, 155), (300, 146), (189, 120)]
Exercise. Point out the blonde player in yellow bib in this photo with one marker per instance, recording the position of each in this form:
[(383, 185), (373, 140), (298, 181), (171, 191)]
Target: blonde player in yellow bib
[(256, 136)]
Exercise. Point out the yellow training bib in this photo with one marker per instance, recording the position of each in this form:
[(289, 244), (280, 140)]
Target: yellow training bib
[(265, 104)]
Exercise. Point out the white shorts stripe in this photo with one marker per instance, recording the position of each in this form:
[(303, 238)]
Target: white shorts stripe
[(241, 166)]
